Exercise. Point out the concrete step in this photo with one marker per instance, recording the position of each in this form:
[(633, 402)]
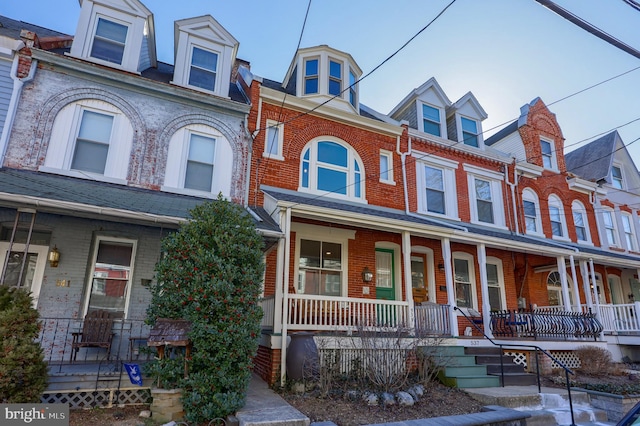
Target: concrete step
[(493, 359), (457, 360), (583, 414), (508, 368), (465, 370), (482, 350), (517, 379), (464, 382)]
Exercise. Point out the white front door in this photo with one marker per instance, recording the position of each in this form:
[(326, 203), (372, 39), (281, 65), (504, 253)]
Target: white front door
[(33, 272)]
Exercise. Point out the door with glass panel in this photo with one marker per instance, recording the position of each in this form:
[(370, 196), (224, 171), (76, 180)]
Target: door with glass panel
[(20, 271), (385, 287)]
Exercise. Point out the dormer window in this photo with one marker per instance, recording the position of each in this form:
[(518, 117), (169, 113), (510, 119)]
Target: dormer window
[(310, 76), (469, 131), (431, 120), (335, 78), (109, 41), (616, 177), (204, 65), (547, 152), (353, 94)]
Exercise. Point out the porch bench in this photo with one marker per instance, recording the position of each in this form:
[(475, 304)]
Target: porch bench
[(96, 333)]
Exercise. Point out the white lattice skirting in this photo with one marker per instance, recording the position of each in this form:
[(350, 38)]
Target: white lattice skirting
[(99, 398)]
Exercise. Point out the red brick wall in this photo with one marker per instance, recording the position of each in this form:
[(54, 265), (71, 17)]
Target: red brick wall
[(266, 364)]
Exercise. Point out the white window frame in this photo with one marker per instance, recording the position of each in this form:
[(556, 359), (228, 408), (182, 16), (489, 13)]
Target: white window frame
[(386, 176), (620, 181), (555, 202), (472, 277), (579, 208), (491, 260), (109, 19), (316, 76), (441, 113), (610, 229), (448, 168), (352, 159), (331, 78), (353, 88), (305, 231), (218, 74), (628, 229), (495, 180), (177, 155), (88, 283), (478, 133), (530, 195), (552, 156), (279, 143), (64, 134)]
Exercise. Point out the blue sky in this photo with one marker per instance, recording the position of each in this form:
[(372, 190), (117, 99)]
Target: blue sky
[(506, 52)]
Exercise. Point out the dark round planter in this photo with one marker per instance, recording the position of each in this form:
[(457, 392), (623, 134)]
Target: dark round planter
[(302, 356)]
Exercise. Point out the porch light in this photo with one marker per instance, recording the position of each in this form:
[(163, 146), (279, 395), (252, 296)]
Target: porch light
[(54, 257), (367, 275), (441, 267)]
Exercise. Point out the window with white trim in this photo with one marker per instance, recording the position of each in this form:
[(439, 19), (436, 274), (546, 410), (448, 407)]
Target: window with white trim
[(580, 222), (203, 69), (629, 232), (554, 289), (557, 218), (548, 154), (531, 209), (485, 196), (386, 166), (335, 77), (330, 165), (616, 177), (311, 76), (469, 132), (320, 268), (110, 281), (436, 187), (199, 162), (495, 283), (274, 140), (431, 122), (109, 40), (610, 226), (353, 90), (464, 280), (90, 138)]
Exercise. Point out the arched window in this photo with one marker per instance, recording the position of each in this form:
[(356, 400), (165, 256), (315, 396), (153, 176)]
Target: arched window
[(580, 222), (554, 289), (531, 212), (557, 218), (332, 166)]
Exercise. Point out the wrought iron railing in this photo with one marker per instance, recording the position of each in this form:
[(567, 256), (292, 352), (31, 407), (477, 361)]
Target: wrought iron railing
[(545, 324)]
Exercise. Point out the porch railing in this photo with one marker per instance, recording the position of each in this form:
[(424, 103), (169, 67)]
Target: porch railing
[(433, 319), (55, 338), (268, 308), (545, 324), (618, 319), (311, 312)]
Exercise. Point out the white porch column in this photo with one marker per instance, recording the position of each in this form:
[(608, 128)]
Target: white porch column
[(406, 263), (484, 290), (562, 270), (594, 284), (576, 290), (277, 308), (584, 271), (285, 296), (451, 293)]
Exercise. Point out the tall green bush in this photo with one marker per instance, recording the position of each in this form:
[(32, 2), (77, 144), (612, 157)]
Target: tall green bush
[(210, 274), (23, 372)]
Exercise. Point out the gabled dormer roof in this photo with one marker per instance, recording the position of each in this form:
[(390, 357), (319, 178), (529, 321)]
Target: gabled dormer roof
[(123, 28), (468, 105), (430, 92), (205, 53)]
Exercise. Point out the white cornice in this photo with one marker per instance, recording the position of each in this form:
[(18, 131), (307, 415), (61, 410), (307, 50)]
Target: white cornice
[(529, 170), (582, 185), (305, 106)]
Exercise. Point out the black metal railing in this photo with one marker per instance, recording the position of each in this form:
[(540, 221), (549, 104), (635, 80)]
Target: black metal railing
[(537, 349), (545, 324)]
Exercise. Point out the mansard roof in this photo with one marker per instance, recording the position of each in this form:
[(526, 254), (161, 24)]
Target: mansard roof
[(593, 160), (12, 28)]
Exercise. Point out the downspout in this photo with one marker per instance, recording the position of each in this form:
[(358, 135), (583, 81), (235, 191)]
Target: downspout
[(249, 159), (285, 297), (513, 185), (18, 83)]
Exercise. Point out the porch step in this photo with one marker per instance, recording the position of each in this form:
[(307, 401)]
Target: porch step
[(466, 382), (461, 370), (495, 361)]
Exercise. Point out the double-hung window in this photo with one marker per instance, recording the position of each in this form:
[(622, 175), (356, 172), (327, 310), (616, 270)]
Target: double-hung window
[(200, 161), (495, 283), (556, 217), (274, 139), (629, 232), (547, 154), (310, 76), (353, 93), (204, 65), (109, 41), (333, 167), (436, 186), (484, 200), (92, 143), (469, 132), (531, 208), (610, 227), (431, 120), (335, 78), (434, 190), (616, 177), (485, 196), (320, 268), (386, 166), (464, 280), (580, 222)]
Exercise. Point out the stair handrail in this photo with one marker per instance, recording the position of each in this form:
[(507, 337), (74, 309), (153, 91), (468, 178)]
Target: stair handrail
[(566, 369)]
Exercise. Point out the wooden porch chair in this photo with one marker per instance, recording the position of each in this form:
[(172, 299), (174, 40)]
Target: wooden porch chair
[(96, 333)]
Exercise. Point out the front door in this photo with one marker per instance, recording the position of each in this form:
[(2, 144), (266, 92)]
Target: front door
[(385, 276), (31, 277)]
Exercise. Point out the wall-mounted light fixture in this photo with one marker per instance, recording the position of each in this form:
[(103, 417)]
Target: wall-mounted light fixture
[(54, 257), (367, 275), (441, 267)]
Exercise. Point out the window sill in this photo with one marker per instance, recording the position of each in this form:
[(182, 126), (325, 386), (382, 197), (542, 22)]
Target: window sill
[(491, 225), (585, 243), (82, 175), (617, 249), (273, 156), (199, 89), (438, 215), (388, 182), (563, 239), (186, 191)]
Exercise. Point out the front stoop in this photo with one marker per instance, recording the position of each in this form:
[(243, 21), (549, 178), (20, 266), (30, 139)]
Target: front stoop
[(461, 371), (514, 374)]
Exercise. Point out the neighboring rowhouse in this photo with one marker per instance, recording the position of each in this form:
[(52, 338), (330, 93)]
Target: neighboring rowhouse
[(108, 151), (394, 220)]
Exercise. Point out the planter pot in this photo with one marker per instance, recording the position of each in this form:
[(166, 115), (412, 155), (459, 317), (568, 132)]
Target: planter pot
[(616, 406), (166, 405), (302, 357)]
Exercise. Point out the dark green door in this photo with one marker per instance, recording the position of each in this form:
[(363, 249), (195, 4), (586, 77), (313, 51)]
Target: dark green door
[(385, 287)]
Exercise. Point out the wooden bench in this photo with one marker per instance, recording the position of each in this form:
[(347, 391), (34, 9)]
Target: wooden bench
[(96, 333)]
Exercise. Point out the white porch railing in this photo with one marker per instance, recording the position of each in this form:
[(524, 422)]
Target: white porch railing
[(433, 319), (311, 312), (621, 318), (268, 305)]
